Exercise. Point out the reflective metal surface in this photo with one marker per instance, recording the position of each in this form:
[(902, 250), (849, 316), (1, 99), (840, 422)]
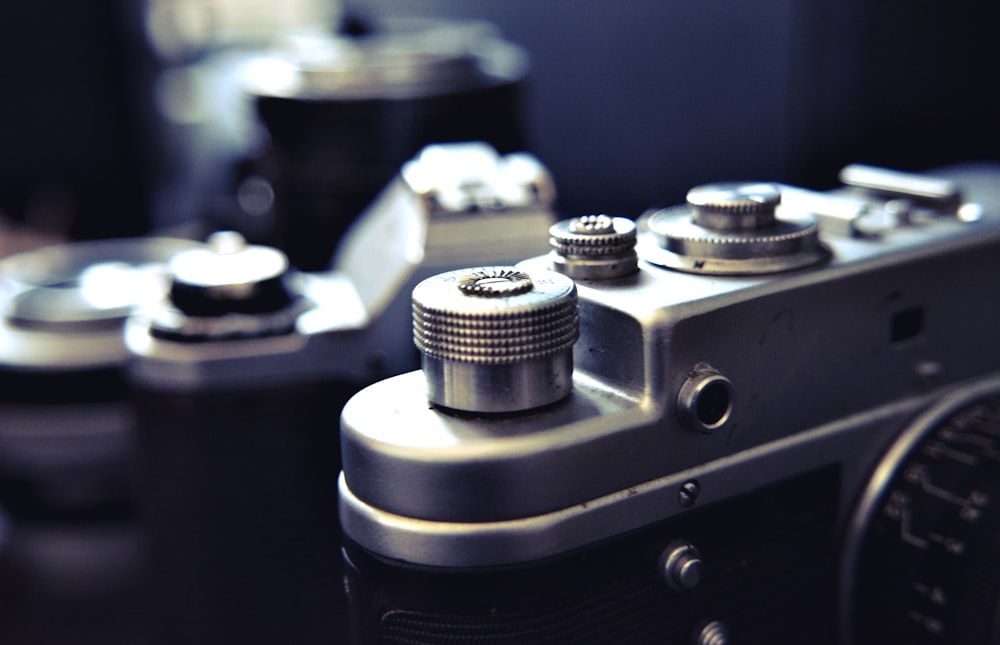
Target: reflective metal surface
[(594, 247), (823, 364), (496, 339), (732, 229)]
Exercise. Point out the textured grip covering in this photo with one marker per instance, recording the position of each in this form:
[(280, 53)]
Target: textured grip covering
[(772, 585)]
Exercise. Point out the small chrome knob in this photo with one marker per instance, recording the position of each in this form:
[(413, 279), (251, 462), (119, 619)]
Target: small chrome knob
[(594, 247), (682, 566), (496, 339)]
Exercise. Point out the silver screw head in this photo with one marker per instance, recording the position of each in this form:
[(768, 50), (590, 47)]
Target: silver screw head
[(682, 566)]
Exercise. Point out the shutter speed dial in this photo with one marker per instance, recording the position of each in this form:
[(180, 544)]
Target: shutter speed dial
[(731, 229)]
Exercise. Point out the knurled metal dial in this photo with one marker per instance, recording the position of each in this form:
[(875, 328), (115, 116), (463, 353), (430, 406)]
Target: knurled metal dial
[(734, 207), (593, 247), (496, 339), (731, 229)]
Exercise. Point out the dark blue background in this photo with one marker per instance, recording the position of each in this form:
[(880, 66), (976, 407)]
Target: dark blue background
[(631, 102)]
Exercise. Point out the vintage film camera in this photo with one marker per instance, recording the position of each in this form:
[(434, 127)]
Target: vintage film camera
[(240, 375), (344, 111), (70, 560), (778, 424)]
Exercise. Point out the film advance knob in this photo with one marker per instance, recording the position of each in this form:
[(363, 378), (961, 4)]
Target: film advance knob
[(496, 339), (594, 247)]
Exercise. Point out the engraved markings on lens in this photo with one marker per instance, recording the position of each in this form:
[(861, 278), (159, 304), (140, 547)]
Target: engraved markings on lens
[(935, 510), (899, 505)]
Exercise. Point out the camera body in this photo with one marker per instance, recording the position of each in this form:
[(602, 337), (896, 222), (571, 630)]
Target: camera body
[(781, 427), (344, 111), (69, 546), (240, 374)]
